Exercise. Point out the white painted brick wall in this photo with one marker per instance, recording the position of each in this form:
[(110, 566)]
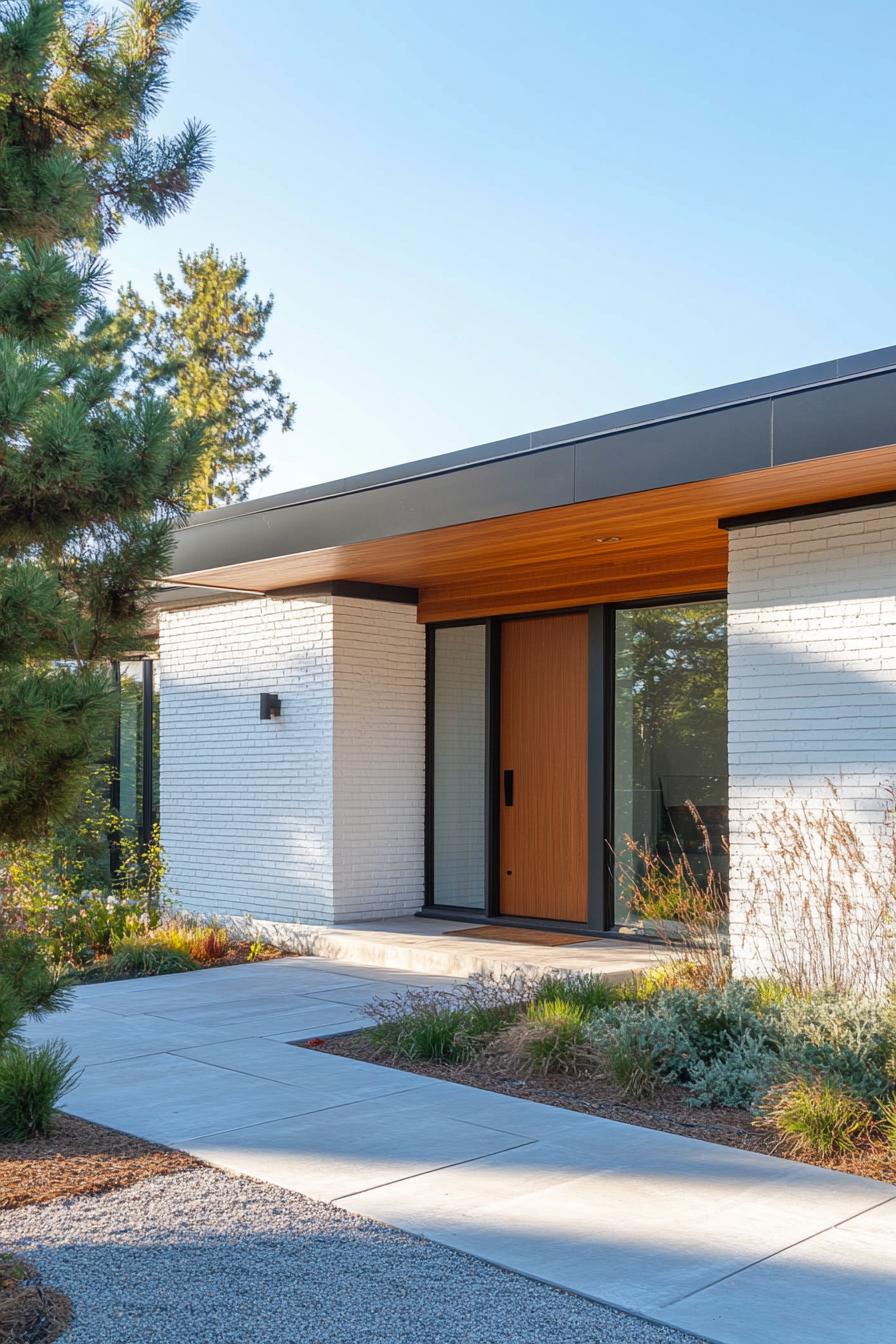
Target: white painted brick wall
[(812, 684), (378, 750), (246, 804), (313, 817)]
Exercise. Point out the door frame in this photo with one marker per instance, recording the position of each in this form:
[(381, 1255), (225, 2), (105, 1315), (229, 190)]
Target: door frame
[(601, 676)]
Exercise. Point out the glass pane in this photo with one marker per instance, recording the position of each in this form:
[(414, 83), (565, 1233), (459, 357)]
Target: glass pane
[(130, 765), (458, 766), (670, 742)]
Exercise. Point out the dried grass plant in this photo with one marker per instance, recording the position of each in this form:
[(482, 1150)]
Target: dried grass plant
[(685, 907), (818, 899)]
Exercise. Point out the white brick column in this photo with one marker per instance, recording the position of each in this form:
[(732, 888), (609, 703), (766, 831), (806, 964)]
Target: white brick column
[(812, 686), (314, 817), (378, 752)]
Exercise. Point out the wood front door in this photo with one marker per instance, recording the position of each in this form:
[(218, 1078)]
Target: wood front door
[(544, 767)]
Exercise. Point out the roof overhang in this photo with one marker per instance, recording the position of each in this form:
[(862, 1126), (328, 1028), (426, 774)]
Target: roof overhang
[(616, 508)]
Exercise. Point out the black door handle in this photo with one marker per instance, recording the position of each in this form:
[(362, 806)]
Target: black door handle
[(508, 788)]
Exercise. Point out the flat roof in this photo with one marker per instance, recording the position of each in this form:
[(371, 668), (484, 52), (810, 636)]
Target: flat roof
[(840, 406)]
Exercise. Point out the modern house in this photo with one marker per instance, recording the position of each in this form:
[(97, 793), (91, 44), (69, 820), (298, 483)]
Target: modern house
[(456, 686)]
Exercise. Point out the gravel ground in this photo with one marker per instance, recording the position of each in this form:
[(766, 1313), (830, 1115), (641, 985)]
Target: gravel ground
[(201, 1257)]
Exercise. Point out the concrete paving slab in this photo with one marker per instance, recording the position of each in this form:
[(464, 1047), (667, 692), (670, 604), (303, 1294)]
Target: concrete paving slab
[(363, 995), (835, 1288), (193, 991), (172, 1100), (258, 1009), (535, 1119), (100, 1038), (342, 1027), (335, 1153), (631, 1223), (324, 1077), (307, 1019)]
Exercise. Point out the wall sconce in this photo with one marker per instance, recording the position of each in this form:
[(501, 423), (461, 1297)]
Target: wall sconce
[(270, 705)]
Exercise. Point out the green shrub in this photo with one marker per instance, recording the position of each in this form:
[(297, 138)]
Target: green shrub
[(480, 1024), (139, 956), (592, 993), (848, 1041), (629, 1056), (202, 942), (556, 1030), (816, 1118), (737, 1077), (32, 1082), (677, 973), (60, 890), (430, 1033), (450, 1025), (770, 994), (547, 1038), (713, 1042), (886, 1120)]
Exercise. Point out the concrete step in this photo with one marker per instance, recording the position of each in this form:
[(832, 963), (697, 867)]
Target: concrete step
[(432, 947)]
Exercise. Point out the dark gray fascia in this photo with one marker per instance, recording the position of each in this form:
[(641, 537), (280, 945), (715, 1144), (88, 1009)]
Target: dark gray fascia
[(840, 406)]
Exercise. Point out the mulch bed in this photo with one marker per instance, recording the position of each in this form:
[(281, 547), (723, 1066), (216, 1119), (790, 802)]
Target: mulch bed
[(79, 1158), (30, 1312), (666, 1109)]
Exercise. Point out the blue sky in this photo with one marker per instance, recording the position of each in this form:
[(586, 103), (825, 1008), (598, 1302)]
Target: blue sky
[(479, 219)]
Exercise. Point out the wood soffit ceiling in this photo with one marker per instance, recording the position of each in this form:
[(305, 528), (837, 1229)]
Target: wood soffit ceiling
[(654, 543)]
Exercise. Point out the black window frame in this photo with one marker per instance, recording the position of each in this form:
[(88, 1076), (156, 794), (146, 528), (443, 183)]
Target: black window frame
[(601, 760), (148, 817)]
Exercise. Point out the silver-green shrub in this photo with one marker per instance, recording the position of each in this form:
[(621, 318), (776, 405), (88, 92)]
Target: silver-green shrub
[(843, 1039), (728, 1046), (716, 1043)]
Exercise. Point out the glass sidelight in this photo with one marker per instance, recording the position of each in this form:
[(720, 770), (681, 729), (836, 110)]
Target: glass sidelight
[(670, 715), (458, 749), (135, 754)]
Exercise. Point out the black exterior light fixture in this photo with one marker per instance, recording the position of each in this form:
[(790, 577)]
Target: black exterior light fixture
[(270, 705)]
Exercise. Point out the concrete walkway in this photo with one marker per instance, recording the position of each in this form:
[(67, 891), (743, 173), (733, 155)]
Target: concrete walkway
[(734, 1246)]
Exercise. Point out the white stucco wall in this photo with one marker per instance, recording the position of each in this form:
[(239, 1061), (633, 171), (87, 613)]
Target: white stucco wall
[(316, 816), (812, 693)]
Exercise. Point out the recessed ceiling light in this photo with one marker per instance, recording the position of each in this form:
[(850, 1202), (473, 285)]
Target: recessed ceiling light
[(602, 540)]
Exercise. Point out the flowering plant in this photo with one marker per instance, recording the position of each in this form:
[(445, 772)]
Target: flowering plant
[(64, 890)]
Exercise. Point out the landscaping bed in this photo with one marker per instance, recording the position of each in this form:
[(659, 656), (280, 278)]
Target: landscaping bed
[(79, 1158), (168, 950), (824, 1095)]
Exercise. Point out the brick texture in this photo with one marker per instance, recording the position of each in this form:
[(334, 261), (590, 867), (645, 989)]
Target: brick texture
[(812, 679), (378, 748), (314, 817)]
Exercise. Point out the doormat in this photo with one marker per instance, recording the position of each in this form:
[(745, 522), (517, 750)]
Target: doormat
[(500, 933)]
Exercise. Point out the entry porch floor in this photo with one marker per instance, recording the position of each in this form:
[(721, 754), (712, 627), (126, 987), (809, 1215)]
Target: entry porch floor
[(734, 1246), (432, 946)]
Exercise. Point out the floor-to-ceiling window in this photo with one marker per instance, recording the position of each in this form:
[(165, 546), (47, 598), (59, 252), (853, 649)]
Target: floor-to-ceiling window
[(458, 748), (135, 775), (670, 755), (666, 698)]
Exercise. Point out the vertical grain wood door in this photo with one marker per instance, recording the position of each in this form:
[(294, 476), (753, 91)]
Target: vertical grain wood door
[(543, 779)]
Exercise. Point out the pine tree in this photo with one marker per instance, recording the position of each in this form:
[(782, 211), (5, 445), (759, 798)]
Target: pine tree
[(88, 487), (203, 348)]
